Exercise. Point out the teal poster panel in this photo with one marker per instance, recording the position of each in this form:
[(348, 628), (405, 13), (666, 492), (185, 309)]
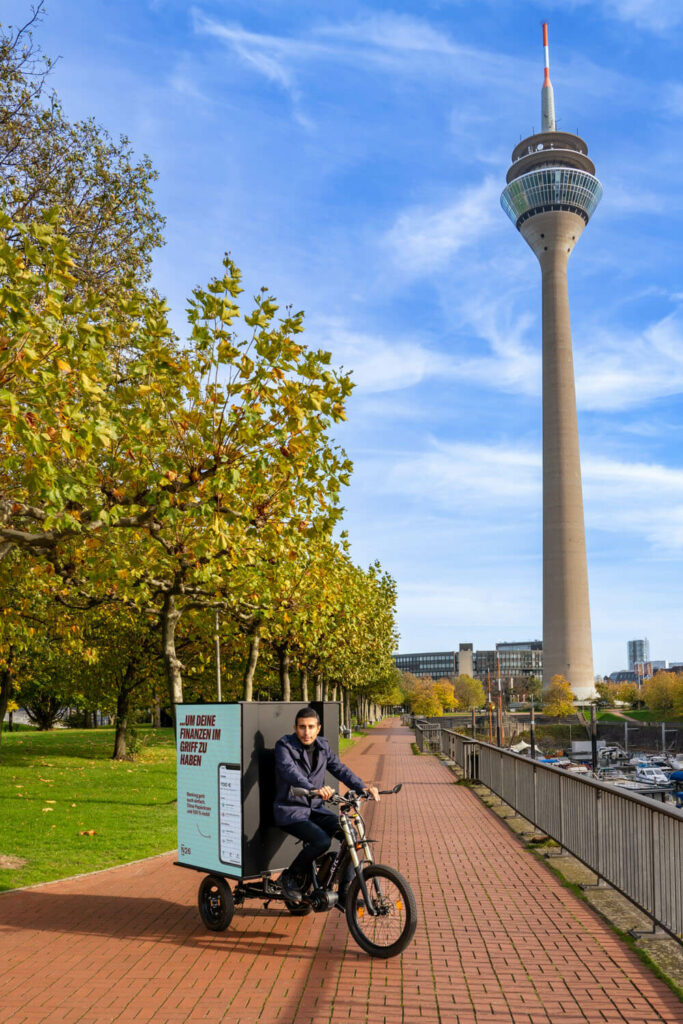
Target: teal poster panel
[(209, 787)]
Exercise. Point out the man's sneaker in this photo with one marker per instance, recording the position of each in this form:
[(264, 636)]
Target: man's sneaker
[(290, 889)]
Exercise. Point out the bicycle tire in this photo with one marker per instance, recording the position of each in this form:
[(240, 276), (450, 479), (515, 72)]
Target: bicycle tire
[(388, 933), (215, 902)]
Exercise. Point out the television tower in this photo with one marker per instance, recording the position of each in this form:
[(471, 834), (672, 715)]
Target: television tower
[(551, 194)]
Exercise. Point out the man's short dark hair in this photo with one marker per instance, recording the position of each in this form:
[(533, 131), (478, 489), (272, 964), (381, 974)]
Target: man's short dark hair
[(307, 713)]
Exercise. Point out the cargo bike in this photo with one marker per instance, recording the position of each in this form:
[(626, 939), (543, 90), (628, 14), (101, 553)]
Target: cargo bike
[(232, 837)]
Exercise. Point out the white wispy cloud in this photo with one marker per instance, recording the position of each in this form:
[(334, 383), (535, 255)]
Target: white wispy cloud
[(378, 363), (392, 42), (424, 239), (269, 56), (456, 474), (652, 15), (183, 80), (621, 497), (621, 370)]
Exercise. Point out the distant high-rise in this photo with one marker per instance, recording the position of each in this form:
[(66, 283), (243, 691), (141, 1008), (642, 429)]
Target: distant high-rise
[(551, 194), (638, 653)]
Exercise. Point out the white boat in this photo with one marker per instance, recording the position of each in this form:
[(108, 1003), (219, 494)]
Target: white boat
[(652, 775)]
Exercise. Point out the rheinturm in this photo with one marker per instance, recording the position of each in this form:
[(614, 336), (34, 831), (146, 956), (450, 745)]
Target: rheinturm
[(551, 194)]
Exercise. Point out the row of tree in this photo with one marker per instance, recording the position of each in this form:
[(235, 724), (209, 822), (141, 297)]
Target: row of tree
[(662, 694), (149, 484), (426, 696)]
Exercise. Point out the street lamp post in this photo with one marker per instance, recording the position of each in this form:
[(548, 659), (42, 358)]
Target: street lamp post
[(499, 726), (217, 638)]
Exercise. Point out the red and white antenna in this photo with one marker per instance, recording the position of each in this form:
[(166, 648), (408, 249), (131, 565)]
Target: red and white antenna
[(547, 97)]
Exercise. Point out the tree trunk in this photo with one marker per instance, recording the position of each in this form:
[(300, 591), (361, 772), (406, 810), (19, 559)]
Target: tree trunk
[(347, 708), (318, 686), (156, 713), (122, 710), (254, 645), (121, 733), (304, 685), (334, 692), (5, 690), (283, 665), (326, 690), (170, 613)]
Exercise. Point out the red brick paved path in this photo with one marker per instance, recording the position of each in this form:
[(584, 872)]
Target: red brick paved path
[(500, 940)]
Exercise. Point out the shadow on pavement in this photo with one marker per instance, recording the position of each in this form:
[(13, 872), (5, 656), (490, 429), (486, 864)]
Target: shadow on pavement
[(146, 918)]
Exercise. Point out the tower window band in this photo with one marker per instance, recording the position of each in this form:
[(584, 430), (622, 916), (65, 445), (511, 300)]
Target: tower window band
[(551, 188)]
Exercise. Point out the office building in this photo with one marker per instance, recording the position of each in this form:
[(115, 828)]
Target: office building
[(512, 661), (550, 196), (638, 651), (437, 664)]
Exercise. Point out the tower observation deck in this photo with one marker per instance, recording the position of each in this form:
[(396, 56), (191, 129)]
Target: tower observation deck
[(550, 196), (551, 171)]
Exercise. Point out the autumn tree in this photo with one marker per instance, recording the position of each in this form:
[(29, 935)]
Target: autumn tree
[(558, 699), (421, 696), (445, 693), (607, 693), (469, 692), (426, 696), (102, 193), (662, 693)]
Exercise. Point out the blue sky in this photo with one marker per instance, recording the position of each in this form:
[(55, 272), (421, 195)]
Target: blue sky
[(351, 156)]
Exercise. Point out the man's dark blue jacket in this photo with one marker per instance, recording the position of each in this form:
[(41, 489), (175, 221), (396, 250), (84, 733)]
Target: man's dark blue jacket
[(292, 769)]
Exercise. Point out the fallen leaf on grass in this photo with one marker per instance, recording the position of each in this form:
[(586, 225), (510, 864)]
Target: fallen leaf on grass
[(45, 809), (50, 801), (88, 832)]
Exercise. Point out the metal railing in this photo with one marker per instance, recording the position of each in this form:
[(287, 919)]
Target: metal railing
[(428, 737), (630, 841)]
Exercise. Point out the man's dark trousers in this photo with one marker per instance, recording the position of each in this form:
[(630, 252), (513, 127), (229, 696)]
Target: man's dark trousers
[(316, 832)]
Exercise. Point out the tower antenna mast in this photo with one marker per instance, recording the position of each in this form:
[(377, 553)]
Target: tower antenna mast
[(547, 97)]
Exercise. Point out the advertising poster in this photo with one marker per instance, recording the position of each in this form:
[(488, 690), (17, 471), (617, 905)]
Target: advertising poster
[(209, 787)]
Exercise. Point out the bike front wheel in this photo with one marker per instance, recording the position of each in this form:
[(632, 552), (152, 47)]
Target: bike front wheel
[(387, 931)]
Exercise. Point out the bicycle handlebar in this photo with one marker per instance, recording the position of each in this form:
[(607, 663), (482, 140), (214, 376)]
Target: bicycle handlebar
[(336, 798)]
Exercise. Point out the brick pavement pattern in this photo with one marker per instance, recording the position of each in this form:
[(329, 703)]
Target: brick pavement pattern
[(500, 940)]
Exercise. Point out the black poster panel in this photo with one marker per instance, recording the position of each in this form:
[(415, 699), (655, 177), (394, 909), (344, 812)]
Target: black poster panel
[(264, 846)]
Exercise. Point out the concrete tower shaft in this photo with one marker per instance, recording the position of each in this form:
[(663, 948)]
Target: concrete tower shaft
[(567, 645), (551, 194)]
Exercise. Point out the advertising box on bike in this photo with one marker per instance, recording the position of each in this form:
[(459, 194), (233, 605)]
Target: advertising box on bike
[(226, 784)]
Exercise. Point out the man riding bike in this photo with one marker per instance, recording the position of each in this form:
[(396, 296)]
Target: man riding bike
[(301, 760)]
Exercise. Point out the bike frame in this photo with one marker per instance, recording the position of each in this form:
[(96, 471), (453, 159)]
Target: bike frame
[(355, 847)]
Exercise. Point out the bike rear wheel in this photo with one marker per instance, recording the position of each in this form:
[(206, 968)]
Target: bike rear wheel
[(216, 905), (390, 929)]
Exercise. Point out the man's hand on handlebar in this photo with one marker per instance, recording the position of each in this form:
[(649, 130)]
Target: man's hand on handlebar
[(326, 792), (374, 792)]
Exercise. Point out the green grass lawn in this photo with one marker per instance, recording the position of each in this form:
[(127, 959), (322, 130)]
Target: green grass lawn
[(66, 808), (607, 715), (55, 786), (645, 715)]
